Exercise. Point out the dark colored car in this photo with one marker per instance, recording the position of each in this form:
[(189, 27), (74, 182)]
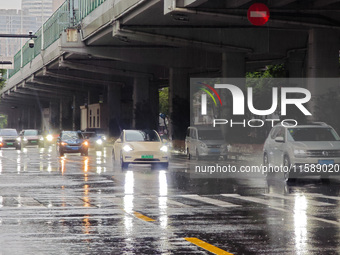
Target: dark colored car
[(31, 137), (9, 138), (95, 141), (100, 133), (72, 142)]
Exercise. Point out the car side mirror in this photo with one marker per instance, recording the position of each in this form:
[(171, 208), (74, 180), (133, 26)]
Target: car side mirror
[(119, 140), (279, 139)]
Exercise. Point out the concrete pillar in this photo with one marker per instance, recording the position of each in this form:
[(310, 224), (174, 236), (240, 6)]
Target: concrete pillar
[(114, 94), (233, 68), (179, 102), (233, 65), (60, 114), (323, 62), (54, 115), (144, 111), (296, 64), (74, 112)]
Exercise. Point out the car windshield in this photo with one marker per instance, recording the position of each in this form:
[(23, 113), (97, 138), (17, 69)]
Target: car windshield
[(313, 134), (31, 132), (71, 135), (141, 136), (89, 134), (9, 132), (210, 135)]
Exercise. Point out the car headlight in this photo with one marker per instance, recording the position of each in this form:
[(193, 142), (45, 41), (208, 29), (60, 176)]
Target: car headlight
[(41, 139), (49, 138), (104, 137), (99, 141), (127, 148), (86, 143), (164, 148), (300, 153), (18, 139), (63, 143)]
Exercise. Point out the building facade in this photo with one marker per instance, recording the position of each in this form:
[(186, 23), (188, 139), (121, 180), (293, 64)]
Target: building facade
[(14, 22), (41, 9)]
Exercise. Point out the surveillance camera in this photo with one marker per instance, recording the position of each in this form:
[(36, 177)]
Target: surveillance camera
[(31, 43)]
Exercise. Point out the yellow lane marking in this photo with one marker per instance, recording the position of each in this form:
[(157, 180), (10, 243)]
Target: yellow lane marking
[(142, 217), (207, 246)]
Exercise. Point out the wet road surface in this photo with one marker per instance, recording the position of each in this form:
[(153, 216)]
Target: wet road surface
[(87, 205)]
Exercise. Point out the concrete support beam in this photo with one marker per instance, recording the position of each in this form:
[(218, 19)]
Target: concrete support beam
[(322, 3), (235, 3), (280, 3), (179, 105)]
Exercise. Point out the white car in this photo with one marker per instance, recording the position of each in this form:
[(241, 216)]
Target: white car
[(304, 149), (140, 147)]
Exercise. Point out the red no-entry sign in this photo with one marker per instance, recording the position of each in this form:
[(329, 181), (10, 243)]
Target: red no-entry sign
[(258, 14)]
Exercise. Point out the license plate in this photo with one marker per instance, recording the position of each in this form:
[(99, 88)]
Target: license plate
[(215, 150), (33, 141), (74, 148), (9, 143), (147, 156), (326, 162)]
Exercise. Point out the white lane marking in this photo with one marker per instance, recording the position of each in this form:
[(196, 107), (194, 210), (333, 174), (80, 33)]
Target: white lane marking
[(210, 201), (230, 195), (173, 202), (271, 204), (322, 196), (293, 197), (28, 202), (266, 202)]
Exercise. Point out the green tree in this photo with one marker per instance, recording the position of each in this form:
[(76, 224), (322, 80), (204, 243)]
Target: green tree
[(164, 101), (2, 78), (3, 118)]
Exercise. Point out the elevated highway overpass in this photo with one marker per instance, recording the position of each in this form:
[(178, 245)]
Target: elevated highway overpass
[(114, 55)]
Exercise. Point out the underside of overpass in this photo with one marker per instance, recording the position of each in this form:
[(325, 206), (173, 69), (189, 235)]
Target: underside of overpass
[(122, 52)]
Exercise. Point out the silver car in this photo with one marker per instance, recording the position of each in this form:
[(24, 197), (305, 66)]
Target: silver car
[(205, 142), (302, 150)]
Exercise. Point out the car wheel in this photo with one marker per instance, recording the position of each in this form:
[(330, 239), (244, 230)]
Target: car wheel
[(61, 153), (18, 147), (266, 164), (113, 156), (286, 164), (123, 164), (197, 155), (188, 154), (85, 153)]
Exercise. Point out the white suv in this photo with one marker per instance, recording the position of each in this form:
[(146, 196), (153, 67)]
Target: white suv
[(305, 149)]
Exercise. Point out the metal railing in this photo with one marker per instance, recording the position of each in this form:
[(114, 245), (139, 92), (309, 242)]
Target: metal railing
[(51, 31)]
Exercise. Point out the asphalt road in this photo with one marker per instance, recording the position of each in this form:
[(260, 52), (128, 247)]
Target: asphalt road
[(86, 205)]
